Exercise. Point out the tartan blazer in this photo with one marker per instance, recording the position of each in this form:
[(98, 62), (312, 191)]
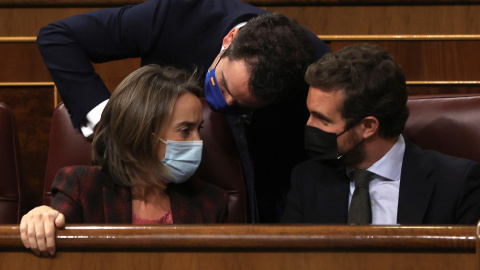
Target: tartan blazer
[(86, 194)]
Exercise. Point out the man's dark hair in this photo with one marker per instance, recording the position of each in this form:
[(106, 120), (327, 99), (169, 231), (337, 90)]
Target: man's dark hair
[(373, 84), (277, 52)]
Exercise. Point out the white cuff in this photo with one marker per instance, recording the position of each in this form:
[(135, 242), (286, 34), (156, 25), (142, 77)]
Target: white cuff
[(93, 117)]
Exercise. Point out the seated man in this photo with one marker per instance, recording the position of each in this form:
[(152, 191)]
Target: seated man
[(363, 170)]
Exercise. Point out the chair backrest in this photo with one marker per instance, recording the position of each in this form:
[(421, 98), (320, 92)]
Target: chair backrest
[(448, 124), (68, 147), (220, 162), (12, 196)]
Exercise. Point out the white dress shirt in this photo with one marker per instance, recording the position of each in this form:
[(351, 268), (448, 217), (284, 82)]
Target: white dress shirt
[(384, 188)]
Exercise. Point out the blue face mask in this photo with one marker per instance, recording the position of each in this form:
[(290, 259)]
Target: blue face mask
[(215, 98), (182, 159)]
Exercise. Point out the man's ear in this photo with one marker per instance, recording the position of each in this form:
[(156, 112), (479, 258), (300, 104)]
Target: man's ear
[(370, 126), (228, 39)]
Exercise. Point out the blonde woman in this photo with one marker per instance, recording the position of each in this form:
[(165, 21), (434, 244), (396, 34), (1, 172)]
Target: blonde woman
[(146, 148)]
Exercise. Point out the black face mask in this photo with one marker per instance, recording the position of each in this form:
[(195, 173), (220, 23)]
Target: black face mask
[(321, 145)]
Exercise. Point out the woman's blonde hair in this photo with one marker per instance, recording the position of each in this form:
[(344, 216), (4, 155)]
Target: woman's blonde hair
[(124, 144)]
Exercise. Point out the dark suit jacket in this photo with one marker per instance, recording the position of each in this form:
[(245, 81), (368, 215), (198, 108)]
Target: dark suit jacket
[(184, 34), (434, 189), (85, 194)]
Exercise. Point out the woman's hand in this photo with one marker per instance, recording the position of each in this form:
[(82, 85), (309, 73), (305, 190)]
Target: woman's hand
[(37, 229)]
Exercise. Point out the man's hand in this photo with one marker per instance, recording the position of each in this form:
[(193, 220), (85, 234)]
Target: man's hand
[(37, 229)]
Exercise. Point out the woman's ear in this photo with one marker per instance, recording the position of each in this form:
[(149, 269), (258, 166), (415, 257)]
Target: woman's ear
[(228, 39), (370, 126)]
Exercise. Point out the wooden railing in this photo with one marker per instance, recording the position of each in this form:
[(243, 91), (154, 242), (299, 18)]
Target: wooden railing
[(310, 237), (249, 247), (105, 3)]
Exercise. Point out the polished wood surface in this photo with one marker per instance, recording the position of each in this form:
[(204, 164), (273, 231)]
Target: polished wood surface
[(435, 60), (238, 259), (249, 247), (339, 237), (386, 20), (27, 21), (478, 246), (322, 20), (422, 59), (329, 38), (16, 3), (24, 62), (33, 108)]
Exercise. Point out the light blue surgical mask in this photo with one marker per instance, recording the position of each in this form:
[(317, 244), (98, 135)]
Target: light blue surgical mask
[(182, 158)]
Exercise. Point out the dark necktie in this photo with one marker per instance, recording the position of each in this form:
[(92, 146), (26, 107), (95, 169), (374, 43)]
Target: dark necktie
[(360, 212)]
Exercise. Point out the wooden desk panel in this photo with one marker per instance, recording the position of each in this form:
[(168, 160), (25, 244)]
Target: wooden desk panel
[(238, 260), (430, 60), (249, 247)]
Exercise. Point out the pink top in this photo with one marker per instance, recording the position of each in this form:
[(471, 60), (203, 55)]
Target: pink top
[(166, 219)]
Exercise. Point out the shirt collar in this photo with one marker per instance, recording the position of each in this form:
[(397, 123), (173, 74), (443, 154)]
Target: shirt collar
[(389, 166)]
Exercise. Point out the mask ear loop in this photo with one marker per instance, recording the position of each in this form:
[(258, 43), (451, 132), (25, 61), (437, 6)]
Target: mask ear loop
[(221, 57), (159, 138), (218, 60), (348, 129), (341, 133)]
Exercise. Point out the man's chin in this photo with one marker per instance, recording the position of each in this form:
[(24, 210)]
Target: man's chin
[(354, 157)]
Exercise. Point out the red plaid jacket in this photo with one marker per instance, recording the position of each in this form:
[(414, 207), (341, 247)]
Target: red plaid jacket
[(85, 194)]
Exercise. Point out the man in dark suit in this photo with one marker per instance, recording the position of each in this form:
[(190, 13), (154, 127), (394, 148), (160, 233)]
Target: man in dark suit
[(357, 102), (254, 66)]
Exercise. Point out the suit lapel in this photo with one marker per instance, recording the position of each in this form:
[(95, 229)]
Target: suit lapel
[(337, 212), (117, 203), (416, 187), (332, 199)]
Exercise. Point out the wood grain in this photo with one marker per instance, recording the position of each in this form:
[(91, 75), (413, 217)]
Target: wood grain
[(249, 247), (33, 108), (384, 20), (431, 60), (308, 237), (24, 62), (322, 20), (241, 260), (16, 3)]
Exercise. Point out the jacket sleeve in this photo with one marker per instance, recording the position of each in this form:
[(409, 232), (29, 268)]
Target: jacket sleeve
[(293, 211), (468, 205), (70, 45), (66, 195)]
